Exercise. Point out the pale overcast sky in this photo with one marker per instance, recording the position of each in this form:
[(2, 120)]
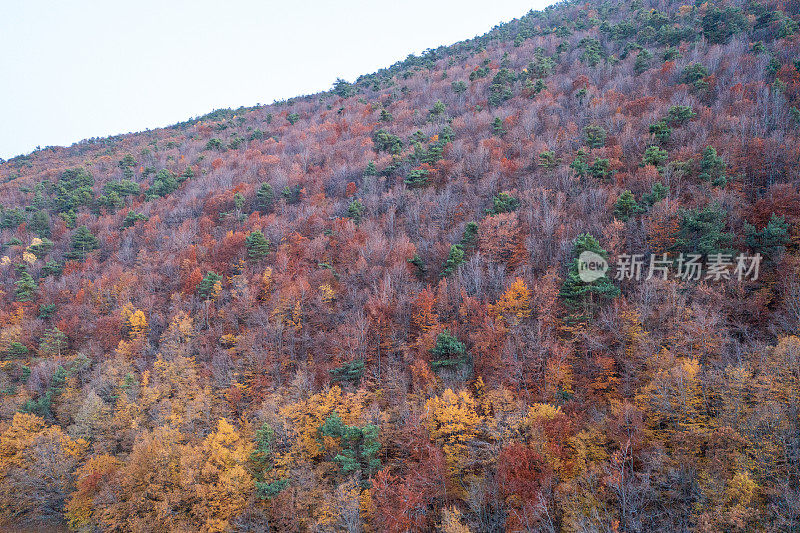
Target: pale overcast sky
[(74, 69)]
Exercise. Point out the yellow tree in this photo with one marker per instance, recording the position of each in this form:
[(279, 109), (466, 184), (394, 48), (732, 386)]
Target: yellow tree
[(92, 486), (136, 324), (148, 495), (177, 338), (452, 420), (37, 462), (215, 472), (514, 305), (176, 394)]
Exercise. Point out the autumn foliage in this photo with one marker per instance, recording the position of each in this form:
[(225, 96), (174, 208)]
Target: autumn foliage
[(361, 310)]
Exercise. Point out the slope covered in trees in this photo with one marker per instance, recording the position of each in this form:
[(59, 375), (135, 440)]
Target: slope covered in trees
[(363, 309)]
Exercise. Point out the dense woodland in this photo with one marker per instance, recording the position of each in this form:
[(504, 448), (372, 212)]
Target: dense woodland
[(359, 310)]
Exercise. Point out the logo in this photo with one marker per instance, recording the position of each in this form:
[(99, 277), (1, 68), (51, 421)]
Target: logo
[(591, 266)]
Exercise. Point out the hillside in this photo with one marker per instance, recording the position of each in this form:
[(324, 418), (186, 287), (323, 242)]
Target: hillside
[(367, 309)]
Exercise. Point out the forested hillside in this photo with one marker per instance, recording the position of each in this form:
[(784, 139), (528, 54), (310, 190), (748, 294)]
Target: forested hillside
[(362, 310)]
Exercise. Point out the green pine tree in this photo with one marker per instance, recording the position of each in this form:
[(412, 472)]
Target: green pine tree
[(702, 231), (356, 210), (83, 242), (26, 287), (771, 241), (257, 245), (503, 203), (454, 258), (713, 167), (358, 447), (448, 352), (579, 296), (626, 206)]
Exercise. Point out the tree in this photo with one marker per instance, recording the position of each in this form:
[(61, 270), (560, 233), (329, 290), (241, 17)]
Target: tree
[(36, 470), (470, 237), (268, 482), (548, 160), (83, 242), (695, 74), (386, 142), (343, 88), (127, 164), (658, 192), (601, 169), (712, 167), (357, 447), (580, 164), (356, 210), (720, 24), (497, 127), (702, 232), (264, 197), (257, 245), (438, 111), (351, 372), (216, 477), (454, 258), (595, 136), (209, 289), (452, 421), (148, 490), (580, 295), (503, 202), (642, 62), (164, 184), (771, 241), (53, 343), (677, 115), (515, 303), (26, 286), (626, 206), (525, 480), (448, 351), (500, 89), (40, 224), (661, 131), (419, 265), (93, 478), (655, 156), (73, 190), (132, 218)]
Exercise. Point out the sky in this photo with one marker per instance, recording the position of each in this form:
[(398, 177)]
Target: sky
[(76, 69)]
